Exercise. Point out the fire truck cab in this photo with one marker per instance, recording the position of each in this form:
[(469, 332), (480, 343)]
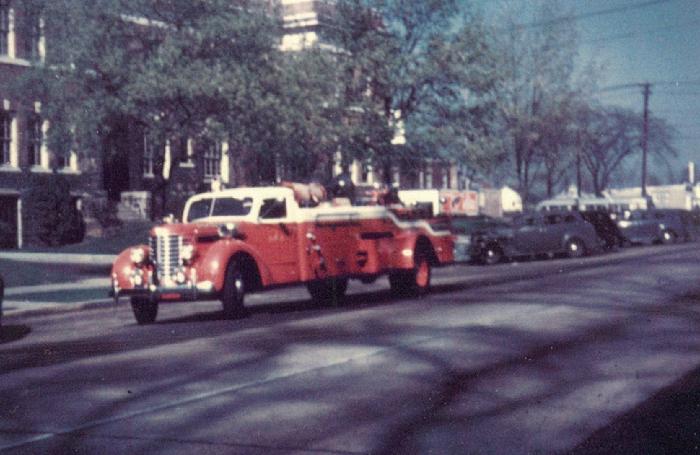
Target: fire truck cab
[(244, 240)]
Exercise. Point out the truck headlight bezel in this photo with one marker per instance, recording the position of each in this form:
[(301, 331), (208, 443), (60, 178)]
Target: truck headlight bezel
[(137, 255)]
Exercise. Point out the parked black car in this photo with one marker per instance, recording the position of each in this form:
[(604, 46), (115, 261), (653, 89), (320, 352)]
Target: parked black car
[(536, 234), (605, 227), (469, 230), (659, 225)]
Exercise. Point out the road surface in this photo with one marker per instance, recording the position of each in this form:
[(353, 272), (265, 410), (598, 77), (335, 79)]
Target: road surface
[(591, 355)]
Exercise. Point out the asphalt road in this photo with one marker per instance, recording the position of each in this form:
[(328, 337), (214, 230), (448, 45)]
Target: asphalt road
[(598, 355)]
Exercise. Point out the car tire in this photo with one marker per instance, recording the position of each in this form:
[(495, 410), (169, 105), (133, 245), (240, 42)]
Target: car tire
[(668, 237), (575, 248), (414, 282), (233, 293), (145, 310), (491, 255), (328, 291)]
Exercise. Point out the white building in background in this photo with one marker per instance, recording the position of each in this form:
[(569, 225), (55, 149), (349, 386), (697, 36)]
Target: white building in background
[(500, 202)]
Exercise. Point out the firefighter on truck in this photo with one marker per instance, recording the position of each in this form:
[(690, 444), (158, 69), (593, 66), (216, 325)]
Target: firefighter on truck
[(243, 240)]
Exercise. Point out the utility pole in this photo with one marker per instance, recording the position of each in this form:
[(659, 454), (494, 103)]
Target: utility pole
[(645, 136)]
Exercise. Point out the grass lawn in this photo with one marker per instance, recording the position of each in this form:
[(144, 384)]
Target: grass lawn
[(129, 234), (27, 274)]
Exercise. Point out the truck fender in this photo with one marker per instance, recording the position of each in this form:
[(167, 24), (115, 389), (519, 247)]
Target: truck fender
[(214, 263), (122, 266)]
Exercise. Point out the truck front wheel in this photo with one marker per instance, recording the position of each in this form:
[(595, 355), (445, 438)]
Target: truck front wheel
[(414, 282), (145, 310), (233, 292)]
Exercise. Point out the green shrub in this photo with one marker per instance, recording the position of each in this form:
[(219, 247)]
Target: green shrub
[(51, 215), (104, 211)]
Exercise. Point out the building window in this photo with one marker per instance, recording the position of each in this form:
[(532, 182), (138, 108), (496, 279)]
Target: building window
[(6, 138), (62, 160), (429, 176), (212, 161), (148, 154), (4, 27), (34, 140), (32, 36)]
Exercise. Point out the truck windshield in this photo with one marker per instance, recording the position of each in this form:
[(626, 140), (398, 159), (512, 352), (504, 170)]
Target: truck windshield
[(224, 206), (231, 206), (199, 209)]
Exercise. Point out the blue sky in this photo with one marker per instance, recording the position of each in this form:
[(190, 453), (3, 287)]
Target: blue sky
[(656, 41)]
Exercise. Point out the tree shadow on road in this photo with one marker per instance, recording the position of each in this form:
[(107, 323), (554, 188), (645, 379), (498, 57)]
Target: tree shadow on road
[(13, 332), (666, 423)]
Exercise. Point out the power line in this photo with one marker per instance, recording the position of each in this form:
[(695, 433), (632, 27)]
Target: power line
[(628, 35), (642, 84), (603, 12)]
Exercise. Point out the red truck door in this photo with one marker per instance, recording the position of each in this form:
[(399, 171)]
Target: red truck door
[(278, 240)]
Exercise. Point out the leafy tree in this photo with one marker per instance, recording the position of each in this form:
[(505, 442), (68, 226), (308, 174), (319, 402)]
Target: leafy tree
[(202, 69), (424, 65), (535, 91)]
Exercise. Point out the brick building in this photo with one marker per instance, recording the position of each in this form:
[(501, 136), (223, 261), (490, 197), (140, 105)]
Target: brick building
[(24, 156), (130, 169)]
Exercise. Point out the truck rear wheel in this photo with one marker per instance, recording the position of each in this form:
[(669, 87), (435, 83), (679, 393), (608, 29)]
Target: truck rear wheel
[(145, 310), (328, 291), (414, 282), (233, 292)]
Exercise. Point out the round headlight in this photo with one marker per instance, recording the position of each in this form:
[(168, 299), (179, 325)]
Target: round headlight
[(187, 252), (137, 255)]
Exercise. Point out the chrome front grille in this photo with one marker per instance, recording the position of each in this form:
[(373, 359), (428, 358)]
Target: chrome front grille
[(165, 252)]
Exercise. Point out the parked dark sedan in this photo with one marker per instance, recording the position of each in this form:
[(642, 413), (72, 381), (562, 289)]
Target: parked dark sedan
[(658, 226), (468, 228), (537, 234)]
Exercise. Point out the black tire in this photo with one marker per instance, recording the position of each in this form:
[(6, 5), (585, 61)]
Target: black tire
[(668, 237), (414, 282), (145, 310), (234, 292), (491, 255), (328, 291), (575, 248)]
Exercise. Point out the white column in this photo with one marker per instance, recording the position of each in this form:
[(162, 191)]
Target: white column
[(19, 222), (42, 41), (14, 142), (167, 160), (356, 172), (224, 172), (337, 164), (44, 162), (11, 51), (73, 161)]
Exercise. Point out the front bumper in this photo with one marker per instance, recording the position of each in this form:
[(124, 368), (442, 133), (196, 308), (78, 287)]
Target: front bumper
[(172, 292)]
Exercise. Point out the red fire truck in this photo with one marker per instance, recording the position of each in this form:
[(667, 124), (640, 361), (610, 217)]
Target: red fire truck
[(244, 240)]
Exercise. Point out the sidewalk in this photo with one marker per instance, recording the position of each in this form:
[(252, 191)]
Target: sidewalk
[(64, 296), (76, 291), (59, 258)]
